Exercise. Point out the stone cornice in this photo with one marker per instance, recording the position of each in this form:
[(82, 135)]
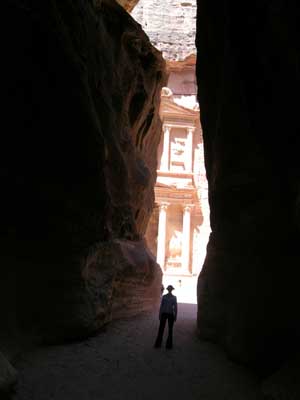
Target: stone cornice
[(174, 174), (169, 110), (178, 66)]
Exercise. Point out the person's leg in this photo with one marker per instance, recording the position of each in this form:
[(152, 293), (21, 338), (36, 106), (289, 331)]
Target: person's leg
[(161, 329), (169, 343)]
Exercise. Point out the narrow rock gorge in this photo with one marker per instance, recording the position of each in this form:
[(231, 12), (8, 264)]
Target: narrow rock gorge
[(78, 165), (80, 133)]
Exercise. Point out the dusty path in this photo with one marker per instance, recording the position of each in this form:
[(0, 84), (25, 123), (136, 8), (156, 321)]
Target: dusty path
[(121, 363)]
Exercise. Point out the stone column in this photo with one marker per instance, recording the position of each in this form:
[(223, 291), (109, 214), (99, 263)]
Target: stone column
[(197, 250), (189, 150), (161, 237), (164, 164), (186, 232), (205, 227)]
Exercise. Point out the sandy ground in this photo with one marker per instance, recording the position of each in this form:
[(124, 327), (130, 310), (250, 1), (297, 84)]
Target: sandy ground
[(121, 363)]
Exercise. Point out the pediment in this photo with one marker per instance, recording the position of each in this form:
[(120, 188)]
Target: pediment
[(163, 185), (170, 108)]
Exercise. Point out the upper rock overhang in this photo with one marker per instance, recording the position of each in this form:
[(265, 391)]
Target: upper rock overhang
[(128, 4)]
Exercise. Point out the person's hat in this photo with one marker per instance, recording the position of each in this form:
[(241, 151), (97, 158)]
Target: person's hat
[(170, 287)]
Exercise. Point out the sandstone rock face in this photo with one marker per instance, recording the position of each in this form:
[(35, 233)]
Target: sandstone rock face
[(128, 4), (248, 78), (78, 162), (171, 26)]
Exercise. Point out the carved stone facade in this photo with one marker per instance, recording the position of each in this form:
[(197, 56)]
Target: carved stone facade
[(179, 227)]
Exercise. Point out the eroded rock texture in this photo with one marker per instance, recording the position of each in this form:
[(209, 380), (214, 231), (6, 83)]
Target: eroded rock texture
[(248, 76), (78, 161), (170, 24)]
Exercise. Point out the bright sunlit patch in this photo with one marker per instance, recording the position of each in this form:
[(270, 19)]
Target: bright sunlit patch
[(185, 288)]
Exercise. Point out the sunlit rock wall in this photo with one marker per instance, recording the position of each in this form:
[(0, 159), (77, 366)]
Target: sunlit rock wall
[(248, 75), (78, 159), (170, 24)]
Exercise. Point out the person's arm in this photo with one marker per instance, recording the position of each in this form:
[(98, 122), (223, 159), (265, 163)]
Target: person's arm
[(161, 307), (175, 308)]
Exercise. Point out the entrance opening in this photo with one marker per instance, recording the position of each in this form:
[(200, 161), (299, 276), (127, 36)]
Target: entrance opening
[(179, 226)]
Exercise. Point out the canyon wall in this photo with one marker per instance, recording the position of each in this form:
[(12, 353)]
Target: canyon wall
[(248, 79), (78, 165), (171, 26)]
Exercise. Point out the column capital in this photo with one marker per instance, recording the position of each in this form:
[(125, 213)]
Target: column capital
[(163, 205), (191, 129), (166, 127), (187, 207)]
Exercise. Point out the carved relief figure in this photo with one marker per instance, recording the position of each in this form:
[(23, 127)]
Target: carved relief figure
[(177, 153), (175, 245), (178, 147)]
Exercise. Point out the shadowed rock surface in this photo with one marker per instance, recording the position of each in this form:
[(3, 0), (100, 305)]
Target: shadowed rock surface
[(248, 78), (8, 375), (127, 4), (78, 165)]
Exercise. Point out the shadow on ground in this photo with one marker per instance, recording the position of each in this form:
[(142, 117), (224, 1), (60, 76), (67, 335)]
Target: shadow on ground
[(121, 363)]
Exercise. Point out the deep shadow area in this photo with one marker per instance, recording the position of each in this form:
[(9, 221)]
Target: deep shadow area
[(121, 363), (248, 78), (77, 190)]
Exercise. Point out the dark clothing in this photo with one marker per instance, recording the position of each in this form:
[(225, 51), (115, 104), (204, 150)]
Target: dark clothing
[(167, 311), (163, 319), (168, 305)]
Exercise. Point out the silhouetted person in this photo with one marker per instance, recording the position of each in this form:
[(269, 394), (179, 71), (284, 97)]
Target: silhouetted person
[(167, 311)]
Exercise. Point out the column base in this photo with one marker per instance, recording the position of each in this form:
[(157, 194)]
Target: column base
[(177, 272)]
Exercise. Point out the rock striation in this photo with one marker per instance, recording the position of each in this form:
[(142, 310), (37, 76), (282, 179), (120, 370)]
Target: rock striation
[(78, 166), (171, 26), (248, 75)]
